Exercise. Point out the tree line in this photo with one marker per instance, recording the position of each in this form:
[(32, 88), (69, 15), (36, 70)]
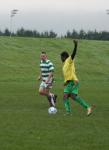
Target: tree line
[(89, 35), (29, 33)]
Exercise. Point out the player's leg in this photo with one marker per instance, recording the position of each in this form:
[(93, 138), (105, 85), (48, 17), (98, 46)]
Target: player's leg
[(66, 97), (66, 102), (51, 96), (55, 98), (81, 101), (44, 91)]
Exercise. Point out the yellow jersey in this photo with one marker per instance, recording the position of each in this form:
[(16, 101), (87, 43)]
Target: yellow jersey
[(69, 70)]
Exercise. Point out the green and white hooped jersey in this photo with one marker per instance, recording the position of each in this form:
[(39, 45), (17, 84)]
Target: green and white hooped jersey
[(46, 67)]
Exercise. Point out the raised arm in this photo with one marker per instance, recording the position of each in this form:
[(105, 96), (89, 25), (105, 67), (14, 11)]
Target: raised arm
[(75, 49)]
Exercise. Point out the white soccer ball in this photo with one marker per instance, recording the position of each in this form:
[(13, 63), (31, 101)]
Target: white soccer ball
[(52, 110)]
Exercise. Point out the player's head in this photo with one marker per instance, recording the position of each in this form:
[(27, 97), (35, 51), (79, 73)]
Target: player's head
[(43, 56), (64, 56)]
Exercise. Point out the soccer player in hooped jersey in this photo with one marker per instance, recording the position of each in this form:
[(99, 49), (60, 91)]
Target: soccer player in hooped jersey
[(71, 81), (46, 77)]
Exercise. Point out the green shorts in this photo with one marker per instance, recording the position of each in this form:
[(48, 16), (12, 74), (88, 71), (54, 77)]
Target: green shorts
[(71, 88)]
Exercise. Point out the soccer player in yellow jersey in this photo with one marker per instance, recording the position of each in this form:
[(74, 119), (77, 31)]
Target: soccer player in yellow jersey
[(71, 81)]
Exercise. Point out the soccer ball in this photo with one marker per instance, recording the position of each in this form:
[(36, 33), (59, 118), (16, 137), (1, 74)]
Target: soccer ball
[(52, 110)]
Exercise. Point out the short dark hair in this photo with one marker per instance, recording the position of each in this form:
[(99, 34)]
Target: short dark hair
[(65, 54), (43, 52)]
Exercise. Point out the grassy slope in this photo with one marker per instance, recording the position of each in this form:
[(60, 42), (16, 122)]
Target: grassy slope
[(25, 123)]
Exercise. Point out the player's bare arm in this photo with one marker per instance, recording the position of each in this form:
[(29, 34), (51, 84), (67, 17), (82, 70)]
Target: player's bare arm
[(75, 49)]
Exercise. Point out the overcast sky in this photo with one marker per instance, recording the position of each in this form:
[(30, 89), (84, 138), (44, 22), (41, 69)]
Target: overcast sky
[(57, 15)]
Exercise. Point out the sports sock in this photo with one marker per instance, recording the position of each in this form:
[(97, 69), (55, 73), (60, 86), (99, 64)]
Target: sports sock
[(67, 105), (50, 99), (81, 102), (55, 98)]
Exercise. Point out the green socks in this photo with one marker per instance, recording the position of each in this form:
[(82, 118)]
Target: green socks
[(81, 102), (77, 99), (67, 105)]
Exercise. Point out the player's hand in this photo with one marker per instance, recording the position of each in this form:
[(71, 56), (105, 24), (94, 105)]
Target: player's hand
[(75, 42), (76, 82), (46, 81), (39, 78), (65, 83)]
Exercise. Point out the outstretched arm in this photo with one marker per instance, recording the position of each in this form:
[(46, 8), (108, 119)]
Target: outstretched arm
[(75, 49)]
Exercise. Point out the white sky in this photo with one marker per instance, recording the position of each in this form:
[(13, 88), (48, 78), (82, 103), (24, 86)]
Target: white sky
[(58, 15)]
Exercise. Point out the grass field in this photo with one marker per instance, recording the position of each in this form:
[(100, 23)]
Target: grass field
[(24, 121)]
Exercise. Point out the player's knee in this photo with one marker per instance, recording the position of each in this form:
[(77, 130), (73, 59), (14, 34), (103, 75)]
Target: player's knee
[(65, 96), (74, 96), (41, 92)]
